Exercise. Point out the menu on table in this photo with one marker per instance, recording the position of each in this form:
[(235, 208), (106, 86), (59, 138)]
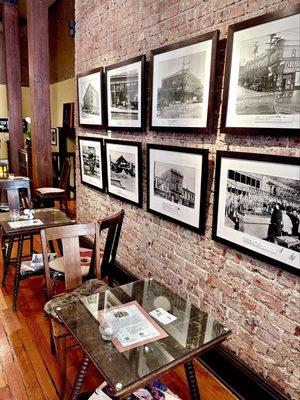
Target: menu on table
[(135, 326)]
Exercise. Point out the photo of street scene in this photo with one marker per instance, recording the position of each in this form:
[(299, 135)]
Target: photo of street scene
[(175, 183), (124, 92), (122, 170), (180, 87), (269, 74), (91, 160), (265, 207)]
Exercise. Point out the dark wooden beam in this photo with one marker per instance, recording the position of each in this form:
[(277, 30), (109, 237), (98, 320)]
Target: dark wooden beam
[(13, 82), (38, 54)]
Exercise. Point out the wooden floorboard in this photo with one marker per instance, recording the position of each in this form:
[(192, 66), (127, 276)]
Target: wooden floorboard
[(28, 370)]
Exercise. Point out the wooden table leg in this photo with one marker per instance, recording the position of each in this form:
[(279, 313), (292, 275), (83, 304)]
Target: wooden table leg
[(18, 271), (6, 256), (80, 377), (192, 380)]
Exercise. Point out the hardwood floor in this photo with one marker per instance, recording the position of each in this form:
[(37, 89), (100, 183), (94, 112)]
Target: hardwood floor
[(28, 370)]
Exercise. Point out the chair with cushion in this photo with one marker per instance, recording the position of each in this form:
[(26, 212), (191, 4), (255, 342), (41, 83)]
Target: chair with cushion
[(74, 270), (59, 194)]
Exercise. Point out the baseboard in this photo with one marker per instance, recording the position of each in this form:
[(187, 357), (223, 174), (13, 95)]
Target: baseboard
[(238, 377)]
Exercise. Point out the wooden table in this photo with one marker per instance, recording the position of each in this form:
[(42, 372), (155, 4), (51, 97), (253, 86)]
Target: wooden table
[(192, 333), (50, 217)]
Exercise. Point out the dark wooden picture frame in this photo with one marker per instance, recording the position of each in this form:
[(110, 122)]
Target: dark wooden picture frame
[(252, 83), (244, 213), (102, 123), (179, 170), (210, 82), (125, 172), (142, 100), (101, 163), (54, 136)]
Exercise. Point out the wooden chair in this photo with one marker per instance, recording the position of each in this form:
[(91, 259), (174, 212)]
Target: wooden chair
[(18, 195), (60, 194), (18, 192), (101, 266)]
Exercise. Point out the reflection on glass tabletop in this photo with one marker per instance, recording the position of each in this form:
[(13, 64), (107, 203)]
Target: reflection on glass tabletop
[(192, 332)]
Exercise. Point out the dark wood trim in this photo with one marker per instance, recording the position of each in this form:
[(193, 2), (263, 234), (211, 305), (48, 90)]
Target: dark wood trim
[(285, 12), (252, 157), (139, 168), (203, 188), (103, 107), (103, 163), (213, 35), (142, 60), (241, 380), (13, 81)]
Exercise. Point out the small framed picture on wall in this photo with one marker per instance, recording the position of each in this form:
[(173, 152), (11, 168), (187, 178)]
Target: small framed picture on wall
[(54, 136), (262, 75), (90, 98), (92, 162), (257, 206), (124, 170), (183, 85), (177, 184), (125, 94)]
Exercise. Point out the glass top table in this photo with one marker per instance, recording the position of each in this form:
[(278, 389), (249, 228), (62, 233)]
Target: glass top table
[(192, 333), (48, 217)]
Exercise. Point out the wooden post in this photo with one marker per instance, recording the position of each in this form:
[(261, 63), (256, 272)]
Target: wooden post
[(13, 81), (38, 54)]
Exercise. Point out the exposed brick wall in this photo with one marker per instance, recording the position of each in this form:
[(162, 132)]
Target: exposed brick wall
[(257, 301)]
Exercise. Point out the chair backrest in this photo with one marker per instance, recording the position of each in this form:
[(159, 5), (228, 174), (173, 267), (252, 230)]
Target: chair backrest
[(113, 225), (13, 188), (69, 236), (65, 173)]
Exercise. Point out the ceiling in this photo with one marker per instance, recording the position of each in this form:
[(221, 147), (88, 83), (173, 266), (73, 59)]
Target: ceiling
[(22, 6)]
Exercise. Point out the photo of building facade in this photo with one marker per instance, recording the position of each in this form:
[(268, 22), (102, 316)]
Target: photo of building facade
[(180, 87), (170, 185), (124, 95), (90, 102)]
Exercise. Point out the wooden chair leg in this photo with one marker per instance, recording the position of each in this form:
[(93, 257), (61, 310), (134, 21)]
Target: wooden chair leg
[(52, 343), (66, 203), (61, 357)]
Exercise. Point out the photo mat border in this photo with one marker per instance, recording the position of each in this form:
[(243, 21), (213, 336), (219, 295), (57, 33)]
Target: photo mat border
[(142, 60), (251, 157), (214, 36), (103, 163), (262, 19), (139, 168), (103, 105), (203, 189)]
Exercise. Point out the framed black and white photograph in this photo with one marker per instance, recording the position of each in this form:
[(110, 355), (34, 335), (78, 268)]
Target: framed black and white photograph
[(262, 75), (124, 170), (183, 85), (177, 184), (54, 136), (92, 162), (125, 94), (257, 206), (90, 98)]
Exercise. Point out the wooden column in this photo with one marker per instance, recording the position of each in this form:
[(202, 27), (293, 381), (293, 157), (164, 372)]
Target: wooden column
[(38, 54), (13, 81)]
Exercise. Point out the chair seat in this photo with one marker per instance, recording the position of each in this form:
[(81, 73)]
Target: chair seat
[(89, 287), (85, 260), (49, 190)]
